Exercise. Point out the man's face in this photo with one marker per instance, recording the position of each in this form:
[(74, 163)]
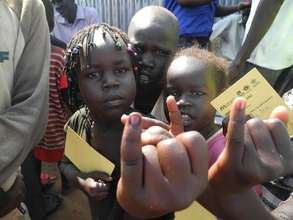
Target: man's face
[(154, 48), (65, 8)]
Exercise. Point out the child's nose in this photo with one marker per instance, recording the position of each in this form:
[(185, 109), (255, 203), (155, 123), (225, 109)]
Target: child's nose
[(110, 81), (182, 101)]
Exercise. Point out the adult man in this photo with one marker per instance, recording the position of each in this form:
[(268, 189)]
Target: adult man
[(269, 27), (70, 18), (228, 33), (153, 33), (24, 68), (196, 18)]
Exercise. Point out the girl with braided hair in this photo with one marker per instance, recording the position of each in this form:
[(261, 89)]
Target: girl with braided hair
[(101, 88)]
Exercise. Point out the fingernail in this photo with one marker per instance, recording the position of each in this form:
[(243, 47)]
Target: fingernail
[(134, 121), (241, 103)]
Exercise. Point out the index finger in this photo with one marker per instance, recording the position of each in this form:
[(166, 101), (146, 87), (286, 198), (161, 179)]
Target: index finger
[(131, 154), (176, 125), (235, 132)]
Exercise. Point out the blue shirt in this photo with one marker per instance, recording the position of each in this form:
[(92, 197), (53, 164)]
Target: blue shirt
[(194, 21)]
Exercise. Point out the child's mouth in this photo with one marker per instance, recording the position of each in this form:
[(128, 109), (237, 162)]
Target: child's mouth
[(114, 102), (186, 120)]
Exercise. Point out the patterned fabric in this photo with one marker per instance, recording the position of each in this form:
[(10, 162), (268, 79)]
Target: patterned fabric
[(51, 147)]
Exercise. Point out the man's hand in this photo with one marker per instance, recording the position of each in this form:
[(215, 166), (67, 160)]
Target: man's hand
[(95, 184), (11, 199), (256, 152), (161, 175)]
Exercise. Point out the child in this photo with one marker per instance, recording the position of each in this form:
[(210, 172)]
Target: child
[(195, 77), (153, 33), (100, 76)]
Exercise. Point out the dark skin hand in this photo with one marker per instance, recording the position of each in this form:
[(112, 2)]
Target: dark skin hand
[(11, 199), (95, 184), (258, 151), (156, 166)]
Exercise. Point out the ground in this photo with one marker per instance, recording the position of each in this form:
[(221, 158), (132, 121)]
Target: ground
[(75, 204)]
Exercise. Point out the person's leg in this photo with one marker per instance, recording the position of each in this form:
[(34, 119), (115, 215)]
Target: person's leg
[(30, 169)]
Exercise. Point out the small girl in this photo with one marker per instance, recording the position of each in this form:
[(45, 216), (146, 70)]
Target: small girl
[(101, 88), (195, 77)]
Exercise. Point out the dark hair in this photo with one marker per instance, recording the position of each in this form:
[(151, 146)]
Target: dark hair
[(220, 65), (76, 57)]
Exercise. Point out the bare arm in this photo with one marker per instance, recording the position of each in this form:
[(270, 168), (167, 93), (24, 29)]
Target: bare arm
[(263, 19)]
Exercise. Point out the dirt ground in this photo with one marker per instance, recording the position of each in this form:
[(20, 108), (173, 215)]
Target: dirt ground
[(75, 204)]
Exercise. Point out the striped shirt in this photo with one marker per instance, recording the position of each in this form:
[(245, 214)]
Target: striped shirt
[(51, 147)]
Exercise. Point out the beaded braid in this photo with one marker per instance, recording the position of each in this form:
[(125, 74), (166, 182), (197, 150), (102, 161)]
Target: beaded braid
[(76, 58)]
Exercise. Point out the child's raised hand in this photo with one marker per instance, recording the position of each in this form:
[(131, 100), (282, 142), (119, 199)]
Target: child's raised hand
[(95, 184), (176, 125), (161, 177), (256, 152)]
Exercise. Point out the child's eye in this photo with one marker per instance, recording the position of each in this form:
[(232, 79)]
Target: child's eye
[(121, 70), (197, 93), (95, 75)]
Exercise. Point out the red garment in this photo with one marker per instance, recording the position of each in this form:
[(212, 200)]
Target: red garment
[(51, 147)]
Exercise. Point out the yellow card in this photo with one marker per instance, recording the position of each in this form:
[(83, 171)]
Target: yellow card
[(261, 97), (83, 156), (195, 211)]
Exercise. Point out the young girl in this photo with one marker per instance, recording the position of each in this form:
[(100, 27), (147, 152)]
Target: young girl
[(195, 77), (101, 76)]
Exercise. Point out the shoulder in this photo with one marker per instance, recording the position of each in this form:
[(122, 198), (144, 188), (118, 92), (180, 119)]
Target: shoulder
[(79, 121), (31, 13)]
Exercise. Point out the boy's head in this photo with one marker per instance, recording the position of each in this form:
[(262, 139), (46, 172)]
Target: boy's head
[(195, 77), (153, 33), (66, 8), (99, 68)]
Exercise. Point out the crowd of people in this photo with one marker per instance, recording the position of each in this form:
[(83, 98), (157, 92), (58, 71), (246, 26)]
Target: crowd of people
[(142, 100)]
